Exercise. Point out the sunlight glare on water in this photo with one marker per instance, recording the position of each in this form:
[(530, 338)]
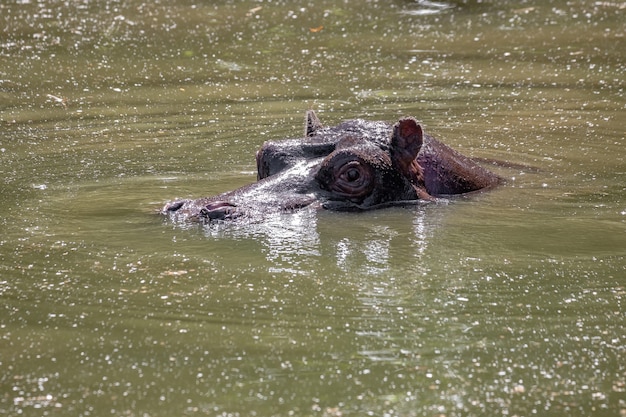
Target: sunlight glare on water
[(504, 303)]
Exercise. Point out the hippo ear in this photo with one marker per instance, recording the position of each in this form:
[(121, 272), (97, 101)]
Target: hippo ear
[(406, 141), (312, 123)]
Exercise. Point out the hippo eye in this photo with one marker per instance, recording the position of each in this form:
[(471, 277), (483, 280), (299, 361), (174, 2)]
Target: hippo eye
[(352, 174), (347, 176)]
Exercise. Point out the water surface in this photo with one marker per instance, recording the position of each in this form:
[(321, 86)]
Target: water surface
[(506, 303)]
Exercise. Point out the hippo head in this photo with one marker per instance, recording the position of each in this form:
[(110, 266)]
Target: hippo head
[(365, 174), (356, 165)]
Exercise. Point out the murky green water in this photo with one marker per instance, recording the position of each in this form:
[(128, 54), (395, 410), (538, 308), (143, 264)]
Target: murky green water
[(509, 303)]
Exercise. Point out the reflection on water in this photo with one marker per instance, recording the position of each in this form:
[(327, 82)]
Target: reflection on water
[(369, 242), (426, 7), (287, 239), (376, 240)]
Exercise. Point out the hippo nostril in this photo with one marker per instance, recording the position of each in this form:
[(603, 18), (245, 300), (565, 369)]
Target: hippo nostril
[(219, 210), (174, 206)]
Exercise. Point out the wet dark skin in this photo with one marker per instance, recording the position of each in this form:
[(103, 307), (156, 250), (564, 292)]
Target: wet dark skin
[(356, 165)]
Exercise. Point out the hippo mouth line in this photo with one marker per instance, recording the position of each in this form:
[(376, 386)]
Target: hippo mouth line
[(226, 211), (342, 205)]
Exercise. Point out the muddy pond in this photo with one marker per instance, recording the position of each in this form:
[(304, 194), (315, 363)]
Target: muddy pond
[(508, 303)]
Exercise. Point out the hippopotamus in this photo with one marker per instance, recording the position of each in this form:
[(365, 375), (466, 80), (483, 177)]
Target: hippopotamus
[(356, 165)]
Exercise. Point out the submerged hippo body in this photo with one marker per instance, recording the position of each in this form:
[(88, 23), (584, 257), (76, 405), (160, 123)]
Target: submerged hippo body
[(356, 165)]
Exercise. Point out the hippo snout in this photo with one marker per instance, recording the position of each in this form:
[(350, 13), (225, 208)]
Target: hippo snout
[(173, 206), (219, 210), (211, 210)]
